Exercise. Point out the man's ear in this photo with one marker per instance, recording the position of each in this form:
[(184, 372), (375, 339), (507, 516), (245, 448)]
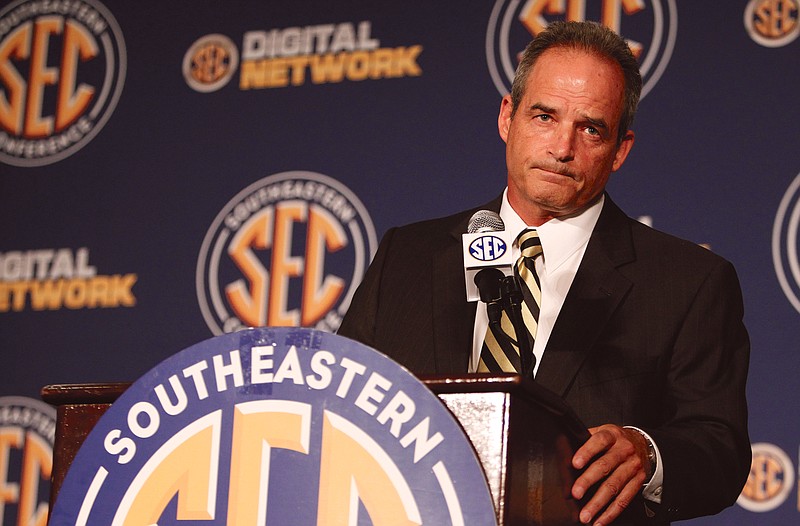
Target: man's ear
[(504, 118), (623, 150)]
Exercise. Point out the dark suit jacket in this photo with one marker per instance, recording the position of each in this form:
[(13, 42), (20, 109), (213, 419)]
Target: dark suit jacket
[(650, 335)]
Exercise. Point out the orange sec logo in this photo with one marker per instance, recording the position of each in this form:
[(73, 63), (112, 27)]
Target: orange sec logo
[(649, 26), (210, 63), (288, 250), (27, 433), (770, 481), (62, 70), (772, 23)]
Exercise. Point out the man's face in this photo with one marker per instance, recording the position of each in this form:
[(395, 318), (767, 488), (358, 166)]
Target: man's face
[(561, 145)]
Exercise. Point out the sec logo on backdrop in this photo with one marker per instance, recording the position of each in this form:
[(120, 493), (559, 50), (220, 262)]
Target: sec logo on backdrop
[(288, 250), (210, 63), (62, 69), (770, 481), (276, 426), (772, 23), (785, 251), (649, 26), (27, 433)]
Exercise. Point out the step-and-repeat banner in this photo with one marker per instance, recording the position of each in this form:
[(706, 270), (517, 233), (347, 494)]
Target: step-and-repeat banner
[(171, 171)]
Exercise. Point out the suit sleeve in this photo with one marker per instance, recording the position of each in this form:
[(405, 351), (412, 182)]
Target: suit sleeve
[(704, 444)]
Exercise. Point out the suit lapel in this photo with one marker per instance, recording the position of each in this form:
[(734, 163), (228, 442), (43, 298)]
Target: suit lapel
[(594, 295)]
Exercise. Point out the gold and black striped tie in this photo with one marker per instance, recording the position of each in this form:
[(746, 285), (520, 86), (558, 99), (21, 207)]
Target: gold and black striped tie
[(500, 352)]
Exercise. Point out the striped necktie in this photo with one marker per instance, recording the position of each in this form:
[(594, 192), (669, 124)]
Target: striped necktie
[(500, 351)]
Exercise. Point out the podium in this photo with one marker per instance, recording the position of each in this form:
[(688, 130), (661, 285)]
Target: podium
[(524, 437)]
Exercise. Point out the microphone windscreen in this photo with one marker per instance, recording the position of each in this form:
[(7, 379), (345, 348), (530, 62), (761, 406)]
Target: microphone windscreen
[(485, 221)]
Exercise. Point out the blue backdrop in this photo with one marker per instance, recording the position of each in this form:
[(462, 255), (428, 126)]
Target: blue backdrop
[(172, 169)]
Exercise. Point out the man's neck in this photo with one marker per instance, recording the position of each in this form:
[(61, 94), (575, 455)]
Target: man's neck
[(536, 216)]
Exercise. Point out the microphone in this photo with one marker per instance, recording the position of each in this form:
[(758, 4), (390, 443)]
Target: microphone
[(488, 271), (485, 221), (486, 246)]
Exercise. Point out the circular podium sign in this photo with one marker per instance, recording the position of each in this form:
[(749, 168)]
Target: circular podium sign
[(276, 426)]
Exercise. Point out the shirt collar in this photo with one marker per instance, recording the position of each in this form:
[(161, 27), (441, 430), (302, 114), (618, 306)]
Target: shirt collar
[(562, 236)]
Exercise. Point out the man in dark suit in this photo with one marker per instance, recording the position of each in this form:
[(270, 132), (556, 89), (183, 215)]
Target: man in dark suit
[(640, 332)]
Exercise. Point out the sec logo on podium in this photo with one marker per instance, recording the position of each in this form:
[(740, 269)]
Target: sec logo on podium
[(275, 426)]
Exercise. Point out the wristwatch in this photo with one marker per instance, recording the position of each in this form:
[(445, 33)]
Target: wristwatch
[(651, 457)]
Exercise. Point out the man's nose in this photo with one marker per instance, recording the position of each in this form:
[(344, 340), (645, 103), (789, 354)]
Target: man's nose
[(562, 148)]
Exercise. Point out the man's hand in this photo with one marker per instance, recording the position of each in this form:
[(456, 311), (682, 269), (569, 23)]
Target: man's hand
[(617, 460)]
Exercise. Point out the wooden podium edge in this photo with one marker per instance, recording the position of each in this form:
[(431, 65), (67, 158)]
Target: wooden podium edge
[(516, 385)]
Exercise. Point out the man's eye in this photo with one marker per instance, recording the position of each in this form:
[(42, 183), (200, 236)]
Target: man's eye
[(591, 130), (544, 117)]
